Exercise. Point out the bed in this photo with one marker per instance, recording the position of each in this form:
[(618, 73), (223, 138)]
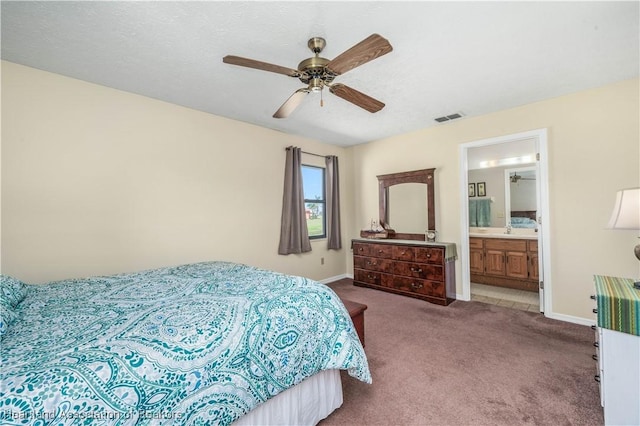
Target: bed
[(202, 343), (524, 219)]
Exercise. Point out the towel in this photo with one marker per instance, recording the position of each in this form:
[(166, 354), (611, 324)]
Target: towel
[(483, 212), (473, 212)]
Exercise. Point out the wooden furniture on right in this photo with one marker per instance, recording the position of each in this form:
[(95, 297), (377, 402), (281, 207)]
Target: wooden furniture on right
[(618, 349), (504, 262)]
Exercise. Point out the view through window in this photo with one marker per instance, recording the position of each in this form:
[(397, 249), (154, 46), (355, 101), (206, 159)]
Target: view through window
[(314, 200)]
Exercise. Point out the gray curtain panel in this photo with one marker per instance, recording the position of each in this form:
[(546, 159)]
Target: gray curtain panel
[(334, 239), (294, 236)]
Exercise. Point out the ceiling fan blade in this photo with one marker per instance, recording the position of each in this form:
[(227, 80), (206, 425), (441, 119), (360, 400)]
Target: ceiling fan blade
[(251, 63), (367, 50), (356, 98), (290, 104)]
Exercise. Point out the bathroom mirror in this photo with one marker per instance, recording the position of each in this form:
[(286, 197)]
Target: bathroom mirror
[(407, 203), (520, 194), (498, 189)]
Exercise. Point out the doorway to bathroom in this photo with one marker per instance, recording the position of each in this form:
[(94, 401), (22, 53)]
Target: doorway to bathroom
[(504, 227)]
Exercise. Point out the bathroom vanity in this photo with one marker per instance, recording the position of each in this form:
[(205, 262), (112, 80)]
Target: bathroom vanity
[(504, 260)]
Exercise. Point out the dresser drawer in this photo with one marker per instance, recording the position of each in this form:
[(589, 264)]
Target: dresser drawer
[(414, 285), (430, 255), (372, 263), (372, 277), (361, 249), (381, 250), (419, 270), (403, 253)]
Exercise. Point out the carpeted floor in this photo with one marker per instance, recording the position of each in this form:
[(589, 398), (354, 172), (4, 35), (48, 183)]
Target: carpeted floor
[(468, 363)]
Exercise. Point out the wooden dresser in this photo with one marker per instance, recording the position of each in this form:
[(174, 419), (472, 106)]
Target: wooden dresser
[(411, 268)]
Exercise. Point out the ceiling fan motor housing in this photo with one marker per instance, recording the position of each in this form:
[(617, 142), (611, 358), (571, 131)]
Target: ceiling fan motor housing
[(314, 69)]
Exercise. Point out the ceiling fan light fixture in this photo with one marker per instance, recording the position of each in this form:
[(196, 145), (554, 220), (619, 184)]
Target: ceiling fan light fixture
[(316, 85)]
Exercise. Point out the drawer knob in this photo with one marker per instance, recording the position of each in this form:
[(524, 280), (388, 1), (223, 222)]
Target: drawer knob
[(594, 357), (428, 255), (416, 286), (594, 328), (360, 249), (597, 378), (596, 344), (595, 311), (416, 270), (593, 297)]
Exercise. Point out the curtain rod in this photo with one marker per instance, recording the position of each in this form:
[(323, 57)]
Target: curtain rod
[(308, 153)]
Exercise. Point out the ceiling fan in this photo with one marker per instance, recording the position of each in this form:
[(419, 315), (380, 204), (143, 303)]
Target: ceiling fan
[(317, 72), (516, 177)]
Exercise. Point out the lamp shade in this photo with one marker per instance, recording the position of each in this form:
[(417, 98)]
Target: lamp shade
[(626, 212)]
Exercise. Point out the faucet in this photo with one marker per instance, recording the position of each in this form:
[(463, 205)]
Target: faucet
[(508, 231)]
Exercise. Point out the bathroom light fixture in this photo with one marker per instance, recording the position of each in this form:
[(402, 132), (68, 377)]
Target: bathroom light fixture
[(525, 159), (626, 214)]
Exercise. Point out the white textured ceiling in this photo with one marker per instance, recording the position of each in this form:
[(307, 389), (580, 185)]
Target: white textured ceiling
[(469, 57)]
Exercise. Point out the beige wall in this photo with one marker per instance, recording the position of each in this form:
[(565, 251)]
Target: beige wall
[(594, 150), (99, 181)]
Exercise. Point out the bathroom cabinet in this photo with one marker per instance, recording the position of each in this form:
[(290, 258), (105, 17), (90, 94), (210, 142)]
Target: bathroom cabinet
[(503, 262)]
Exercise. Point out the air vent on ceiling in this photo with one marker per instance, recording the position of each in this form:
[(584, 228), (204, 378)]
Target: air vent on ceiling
[(449, 117)]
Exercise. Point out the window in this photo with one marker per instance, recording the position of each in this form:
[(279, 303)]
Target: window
[(314, 200)]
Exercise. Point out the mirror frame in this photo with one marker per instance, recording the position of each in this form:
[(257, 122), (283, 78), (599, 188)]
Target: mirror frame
[(425, 176)]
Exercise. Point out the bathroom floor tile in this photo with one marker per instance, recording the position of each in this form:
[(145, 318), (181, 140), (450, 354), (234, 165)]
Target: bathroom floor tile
[(515, 299)]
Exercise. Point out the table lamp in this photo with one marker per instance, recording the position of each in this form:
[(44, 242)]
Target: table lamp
[(626, 215)]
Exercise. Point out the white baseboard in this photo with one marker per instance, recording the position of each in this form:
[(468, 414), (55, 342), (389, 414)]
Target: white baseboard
[(559, 317), (572, 319), (336, 278)]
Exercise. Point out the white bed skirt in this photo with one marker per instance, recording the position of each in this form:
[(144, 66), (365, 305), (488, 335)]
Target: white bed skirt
[(304, 404)]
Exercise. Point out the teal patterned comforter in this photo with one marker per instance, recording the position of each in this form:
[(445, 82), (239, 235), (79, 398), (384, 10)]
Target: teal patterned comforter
[(194, 344)]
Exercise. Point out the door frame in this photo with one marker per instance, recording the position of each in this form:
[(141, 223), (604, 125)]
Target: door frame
[(540, 136)]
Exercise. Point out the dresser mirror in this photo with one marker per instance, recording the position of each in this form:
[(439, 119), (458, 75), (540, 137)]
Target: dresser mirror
[(407, 203)]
